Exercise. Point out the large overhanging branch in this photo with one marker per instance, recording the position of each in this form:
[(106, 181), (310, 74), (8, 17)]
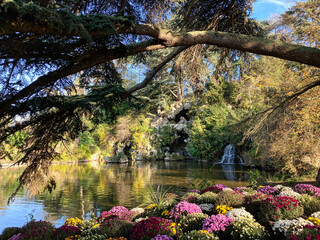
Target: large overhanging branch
[(83, 62), (268, 47)]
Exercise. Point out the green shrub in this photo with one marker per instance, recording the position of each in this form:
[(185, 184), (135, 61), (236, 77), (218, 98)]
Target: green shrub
[(94, 237), (88, 223), (230, 198), (245, 229), (310, 204), (198, 235), (207, 197), (9, 232), (192, 221), (116, 227), (91, 232)]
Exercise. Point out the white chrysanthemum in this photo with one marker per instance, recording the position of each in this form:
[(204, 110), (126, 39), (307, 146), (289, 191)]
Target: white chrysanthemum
[(248, 194), (279, 186), (238, 213), (290, 227), (315, 215), (285, 189), (290, 193), (138, 210), (227, 189)]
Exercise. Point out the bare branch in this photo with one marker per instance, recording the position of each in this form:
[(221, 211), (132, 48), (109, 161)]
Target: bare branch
[(155, 70)]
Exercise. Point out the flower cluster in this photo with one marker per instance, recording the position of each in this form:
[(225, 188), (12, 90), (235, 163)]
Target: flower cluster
[(190, 199), (118, 238), (192, 221), (195, 191), (66, 231), (152, 206), (287, 228), (223, 209), (238, 213), (115, 227), (307, 189), (73, 237), (281, 207), (207, 207), (315, 221), (37, 230), (162, 237), (199, 234), (290, 193), (216, 223), (119, 211), (240, 189), (184, 208), (216, 188), (315, 215), (245, 228), (73, 221), (308, 232), (175, 228), (208, 197), (165, 214), (151, 227), (15, 237), (269, 190)]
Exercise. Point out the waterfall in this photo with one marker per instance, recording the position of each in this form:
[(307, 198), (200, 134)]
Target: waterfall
[(229, 155)]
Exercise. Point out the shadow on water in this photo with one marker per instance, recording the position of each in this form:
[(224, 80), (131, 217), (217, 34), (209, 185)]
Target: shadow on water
[(98, 187)]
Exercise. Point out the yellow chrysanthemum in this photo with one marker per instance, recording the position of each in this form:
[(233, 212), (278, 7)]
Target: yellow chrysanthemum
[(118, 238), (174, 228), (204, 232), (223, 209), (73, 237), (73, 221), (152, 206), (314, 220), (165, 214), (95, 226)]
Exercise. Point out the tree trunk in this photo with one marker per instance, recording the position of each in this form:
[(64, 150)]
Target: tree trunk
[(318, 179)]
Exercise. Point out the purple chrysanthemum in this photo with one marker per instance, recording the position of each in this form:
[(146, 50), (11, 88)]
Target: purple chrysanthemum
[(216, 223)]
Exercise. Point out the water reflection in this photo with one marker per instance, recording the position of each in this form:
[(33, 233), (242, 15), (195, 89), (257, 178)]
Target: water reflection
[(98, 187)]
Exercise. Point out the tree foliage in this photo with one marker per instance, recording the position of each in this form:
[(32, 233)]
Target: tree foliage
[(49, 50)]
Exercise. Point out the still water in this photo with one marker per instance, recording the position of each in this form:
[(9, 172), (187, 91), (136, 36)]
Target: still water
[(96, 187)]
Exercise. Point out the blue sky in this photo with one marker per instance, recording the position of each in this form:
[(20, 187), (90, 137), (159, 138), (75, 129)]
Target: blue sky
[(264, 9)]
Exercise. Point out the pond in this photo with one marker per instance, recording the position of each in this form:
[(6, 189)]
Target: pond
[(97, 187)]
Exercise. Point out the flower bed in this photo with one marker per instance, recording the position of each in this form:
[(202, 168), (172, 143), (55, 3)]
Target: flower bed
[(264, 213)]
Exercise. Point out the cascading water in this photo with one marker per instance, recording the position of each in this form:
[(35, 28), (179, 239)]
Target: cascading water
[(229, 155)]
